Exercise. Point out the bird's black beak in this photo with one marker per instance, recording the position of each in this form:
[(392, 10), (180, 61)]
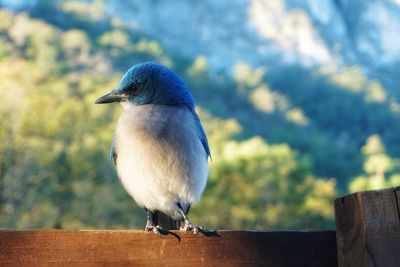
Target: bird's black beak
[(110, 98)]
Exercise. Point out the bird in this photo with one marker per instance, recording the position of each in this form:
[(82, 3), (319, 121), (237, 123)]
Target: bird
[(159, 147)]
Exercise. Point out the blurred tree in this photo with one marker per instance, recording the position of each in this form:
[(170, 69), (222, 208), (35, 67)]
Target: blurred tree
[(199, 71), (92, 11), (376, 93), (76, 45), (268, 101), (245, 76), (377, 164), (117, 41), (342, 111), (261, 186)]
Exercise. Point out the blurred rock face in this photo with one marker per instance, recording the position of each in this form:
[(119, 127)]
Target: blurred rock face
[(259, 31)]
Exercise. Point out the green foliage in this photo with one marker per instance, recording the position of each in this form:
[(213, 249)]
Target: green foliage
[(274, 133), (92, 12), (342, 111), (246, 77), (380, 170), (255, 185), (198, 72)]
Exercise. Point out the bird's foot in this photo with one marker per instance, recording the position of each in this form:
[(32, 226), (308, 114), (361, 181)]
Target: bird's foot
[(191, 227), (150, 226)]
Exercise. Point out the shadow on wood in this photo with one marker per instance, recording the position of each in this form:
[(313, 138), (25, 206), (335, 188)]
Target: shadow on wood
[(234, 248)]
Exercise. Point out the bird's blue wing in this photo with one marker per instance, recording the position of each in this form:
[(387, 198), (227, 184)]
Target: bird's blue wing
[(204, 141), (113, 151), (203, 137)]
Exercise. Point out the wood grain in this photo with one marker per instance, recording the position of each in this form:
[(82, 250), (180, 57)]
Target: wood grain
[(139, 248), (368, 228)]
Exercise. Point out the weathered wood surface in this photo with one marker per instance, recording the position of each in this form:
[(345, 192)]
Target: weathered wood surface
[(368, 228), (227, 248)]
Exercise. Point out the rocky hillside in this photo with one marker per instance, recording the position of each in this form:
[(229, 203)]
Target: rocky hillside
[(262, 32)]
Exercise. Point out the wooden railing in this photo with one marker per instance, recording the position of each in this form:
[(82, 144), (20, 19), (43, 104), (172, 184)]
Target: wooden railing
[(368, 234)]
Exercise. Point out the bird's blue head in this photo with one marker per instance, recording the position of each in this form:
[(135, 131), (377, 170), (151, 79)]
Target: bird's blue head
[(149, 83)]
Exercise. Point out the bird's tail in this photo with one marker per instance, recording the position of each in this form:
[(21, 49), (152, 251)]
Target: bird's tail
[(166, 222)]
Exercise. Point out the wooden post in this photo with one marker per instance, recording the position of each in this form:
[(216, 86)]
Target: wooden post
[(368, 228), (132, 248)]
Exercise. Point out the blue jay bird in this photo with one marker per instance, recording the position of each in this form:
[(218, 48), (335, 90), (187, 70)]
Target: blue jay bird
[(159, 147)]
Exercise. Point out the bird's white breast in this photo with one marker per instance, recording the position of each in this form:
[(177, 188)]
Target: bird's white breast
[(161, 159)]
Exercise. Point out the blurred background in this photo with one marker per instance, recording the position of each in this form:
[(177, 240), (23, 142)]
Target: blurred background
[(300, 101)]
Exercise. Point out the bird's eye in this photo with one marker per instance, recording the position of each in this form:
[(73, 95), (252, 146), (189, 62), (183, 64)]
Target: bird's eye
[(133, 88)]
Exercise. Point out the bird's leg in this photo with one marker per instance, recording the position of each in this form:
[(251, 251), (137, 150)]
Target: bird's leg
[(150, 225), (188, 226)]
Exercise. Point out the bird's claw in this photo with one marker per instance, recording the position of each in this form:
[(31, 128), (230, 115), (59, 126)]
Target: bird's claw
[(150, 226), (191, 227)]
